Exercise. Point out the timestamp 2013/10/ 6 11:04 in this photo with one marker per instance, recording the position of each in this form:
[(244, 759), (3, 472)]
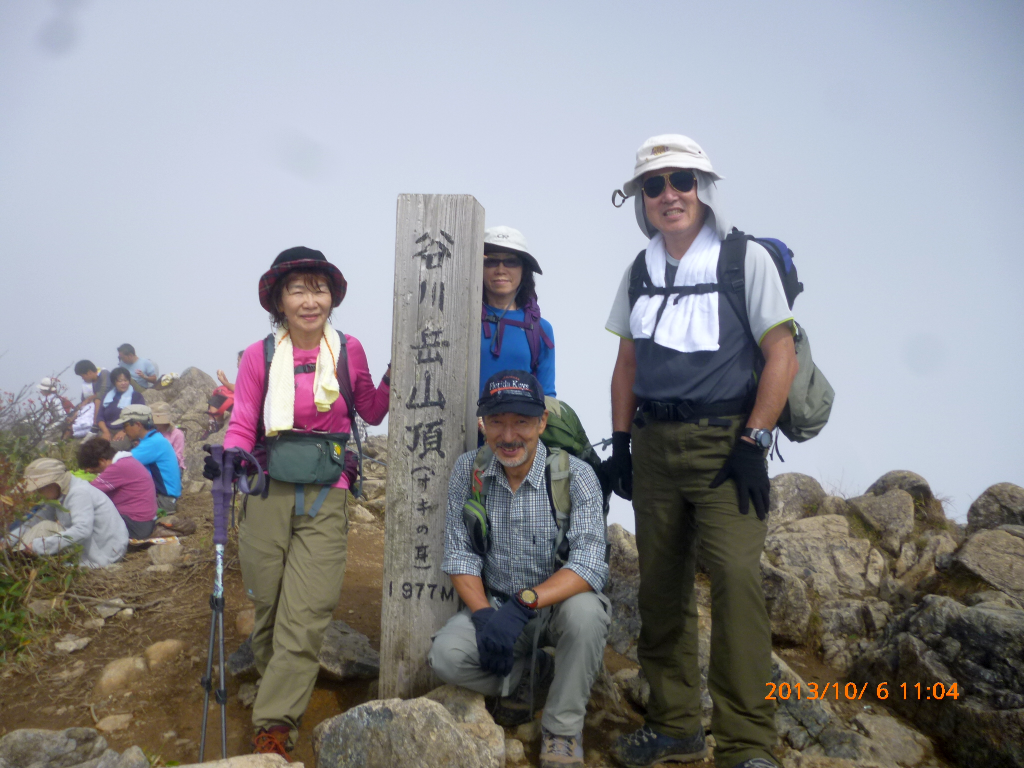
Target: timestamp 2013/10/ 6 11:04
[(852, 692)]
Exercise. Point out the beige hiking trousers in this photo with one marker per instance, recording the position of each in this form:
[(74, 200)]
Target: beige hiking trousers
[(292, 566)]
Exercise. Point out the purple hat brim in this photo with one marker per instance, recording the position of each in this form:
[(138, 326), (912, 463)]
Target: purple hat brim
[(276, 272)]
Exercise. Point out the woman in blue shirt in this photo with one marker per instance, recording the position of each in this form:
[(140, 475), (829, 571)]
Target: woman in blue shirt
[(514, 337)]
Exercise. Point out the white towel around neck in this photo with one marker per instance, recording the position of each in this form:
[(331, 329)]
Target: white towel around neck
[(691, 325), (279, 408)]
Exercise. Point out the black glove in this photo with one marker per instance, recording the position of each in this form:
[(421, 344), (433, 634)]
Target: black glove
[(748, 469), (499, 635), (211, 468), (619, 467)]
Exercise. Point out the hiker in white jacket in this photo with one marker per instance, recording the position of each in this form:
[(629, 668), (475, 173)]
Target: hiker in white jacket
[(88, 517)]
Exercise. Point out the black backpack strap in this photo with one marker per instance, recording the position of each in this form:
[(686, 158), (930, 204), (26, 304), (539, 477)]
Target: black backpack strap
[(345, 387), (732, 278), (639, 278)]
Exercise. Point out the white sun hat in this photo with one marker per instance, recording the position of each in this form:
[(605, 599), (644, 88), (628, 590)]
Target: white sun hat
[(508, 240), (669, 150)]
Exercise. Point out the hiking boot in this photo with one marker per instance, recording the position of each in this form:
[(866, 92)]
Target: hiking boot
[(510, 711), (644, 748), (559, 751), (272, 741), (757, 762)]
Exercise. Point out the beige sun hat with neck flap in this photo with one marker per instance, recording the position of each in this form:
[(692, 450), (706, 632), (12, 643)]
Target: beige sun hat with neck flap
[(43, 472), (668, 150)]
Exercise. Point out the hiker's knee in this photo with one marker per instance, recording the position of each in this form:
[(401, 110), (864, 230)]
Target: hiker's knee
[(584, 616)]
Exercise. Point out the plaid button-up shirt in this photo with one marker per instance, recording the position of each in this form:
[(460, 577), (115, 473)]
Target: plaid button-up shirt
[(523, 527)]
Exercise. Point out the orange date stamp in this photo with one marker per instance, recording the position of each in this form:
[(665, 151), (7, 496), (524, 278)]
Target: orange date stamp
[(852, 692)]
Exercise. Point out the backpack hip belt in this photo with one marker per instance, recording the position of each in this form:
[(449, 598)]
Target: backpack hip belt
[(691, 413)]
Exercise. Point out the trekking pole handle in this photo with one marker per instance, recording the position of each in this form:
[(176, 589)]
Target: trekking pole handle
[(243, 479)]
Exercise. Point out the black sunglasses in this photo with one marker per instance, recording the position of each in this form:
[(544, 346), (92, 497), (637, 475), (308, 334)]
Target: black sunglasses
[(510, 262), (681, 181)]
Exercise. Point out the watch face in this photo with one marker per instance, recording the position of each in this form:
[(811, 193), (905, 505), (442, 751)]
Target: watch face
[(764, 439), (528, 596)]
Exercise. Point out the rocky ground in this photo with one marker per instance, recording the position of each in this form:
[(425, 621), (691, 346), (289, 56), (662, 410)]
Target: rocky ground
[(881, 611)]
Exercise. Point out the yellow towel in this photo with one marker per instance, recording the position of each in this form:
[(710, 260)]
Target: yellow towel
[(279, 408)]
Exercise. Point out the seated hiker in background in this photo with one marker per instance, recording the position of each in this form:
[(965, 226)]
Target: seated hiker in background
[(155, 453), (223, 377), (95, 384), (507, 573), (119, 396), (144, 373), (86, 517), (163, 424), (128, 484), (221, 402)]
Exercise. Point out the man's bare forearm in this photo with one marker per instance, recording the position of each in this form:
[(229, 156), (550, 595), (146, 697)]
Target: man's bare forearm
[(471, 590), (623, 377), (780, 368)]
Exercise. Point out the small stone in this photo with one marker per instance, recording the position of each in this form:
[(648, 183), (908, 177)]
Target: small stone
[(245, 621), (165, 568), (183, 742), (119, 674), (126, 614), (528, 732), (70, 644), (75, 672), (93, 624), (108, 608), (169, 735), (162, 554), (44, 607), (247, 694), (515, 752), (113, 723), (360, 515), (162, 652)]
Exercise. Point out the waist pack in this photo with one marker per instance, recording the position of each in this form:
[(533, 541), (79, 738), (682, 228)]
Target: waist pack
[(810, 397), (305, 458)]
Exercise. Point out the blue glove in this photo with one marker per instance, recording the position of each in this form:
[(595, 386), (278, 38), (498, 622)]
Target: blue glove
[(499, 635)]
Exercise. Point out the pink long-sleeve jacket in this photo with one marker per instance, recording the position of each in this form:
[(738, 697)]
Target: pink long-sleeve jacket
[(370, 402)]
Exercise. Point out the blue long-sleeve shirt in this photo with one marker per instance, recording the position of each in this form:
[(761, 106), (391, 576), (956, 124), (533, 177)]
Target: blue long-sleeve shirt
[(515, 352), (157, 454)]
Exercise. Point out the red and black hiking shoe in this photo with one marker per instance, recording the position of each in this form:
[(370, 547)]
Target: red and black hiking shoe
[(271, 741)]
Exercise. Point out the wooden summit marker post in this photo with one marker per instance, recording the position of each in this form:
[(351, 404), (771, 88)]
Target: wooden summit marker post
[(435, 372)]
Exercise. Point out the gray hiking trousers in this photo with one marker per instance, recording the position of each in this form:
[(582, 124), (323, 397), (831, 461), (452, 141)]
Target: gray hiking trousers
[(578, 629)]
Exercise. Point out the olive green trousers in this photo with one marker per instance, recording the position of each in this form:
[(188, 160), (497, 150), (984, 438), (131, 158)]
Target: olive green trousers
[(292, 566), (677, 515)]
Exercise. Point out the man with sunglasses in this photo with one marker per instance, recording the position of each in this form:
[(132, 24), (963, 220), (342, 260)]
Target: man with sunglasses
[(517, 601), (697, 390)]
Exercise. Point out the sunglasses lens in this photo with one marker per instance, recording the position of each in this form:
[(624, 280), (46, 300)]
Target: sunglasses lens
[(654, 186), (510, 263), (682, 180)]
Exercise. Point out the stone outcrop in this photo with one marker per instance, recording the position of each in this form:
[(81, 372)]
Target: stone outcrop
[(384, 734), (979, 649), (188, 398), (890, 515), (344, 655), (70, 748), (820, 551), (621, 589), (997, 556), (793, 496), (1001, 504)]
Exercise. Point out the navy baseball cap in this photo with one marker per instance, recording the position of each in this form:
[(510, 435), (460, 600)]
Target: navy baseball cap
[(512, 392)]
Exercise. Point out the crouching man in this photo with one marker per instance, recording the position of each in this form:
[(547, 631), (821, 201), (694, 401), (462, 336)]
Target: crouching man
[(502, 552)]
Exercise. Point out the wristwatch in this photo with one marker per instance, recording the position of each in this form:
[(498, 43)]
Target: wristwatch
[(762, 437), (528, 598)]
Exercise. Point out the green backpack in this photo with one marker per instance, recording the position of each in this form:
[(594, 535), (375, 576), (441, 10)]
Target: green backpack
[(564, 436)]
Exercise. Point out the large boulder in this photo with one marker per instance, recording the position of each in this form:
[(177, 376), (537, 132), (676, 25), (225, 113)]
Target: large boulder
[(1001, 504), (622, 587), (926, 507), (978, 649), (393, 732), (890, 515), (820, 551), (188, 398), (38, 748), (793, 496), (789, 608), (347, 655), (998, 558)]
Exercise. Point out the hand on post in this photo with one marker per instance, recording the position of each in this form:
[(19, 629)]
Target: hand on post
[(748, 469)]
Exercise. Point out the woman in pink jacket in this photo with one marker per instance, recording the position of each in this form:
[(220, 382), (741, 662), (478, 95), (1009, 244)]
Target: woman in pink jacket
[(293, 539)]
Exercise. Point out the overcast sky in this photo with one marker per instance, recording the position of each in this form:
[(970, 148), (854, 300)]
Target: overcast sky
[(155, 157)]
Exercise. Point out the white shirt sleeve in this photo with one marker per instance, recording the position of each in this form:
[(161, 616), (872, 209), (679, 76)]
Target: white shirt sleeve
[(766, 299), (618, 318)]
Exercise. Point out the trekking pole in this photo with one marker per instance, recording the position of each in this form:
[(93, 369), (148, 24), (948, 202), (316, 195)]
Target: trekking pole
[(603, 443), (222, 493)]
